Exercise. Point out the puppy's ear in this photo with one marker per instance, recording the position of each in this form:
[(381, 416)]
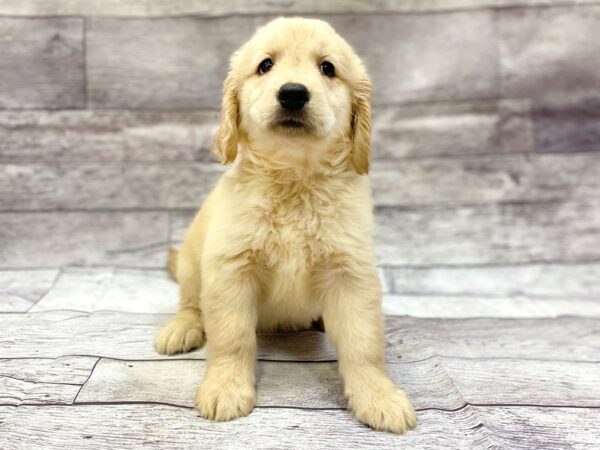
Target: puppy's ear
[(361, 127), (226, 138)]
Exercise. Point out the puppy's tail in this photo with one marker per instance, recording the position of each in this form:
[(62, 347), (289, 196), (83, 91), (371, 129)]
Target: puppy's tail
[(172, 263)]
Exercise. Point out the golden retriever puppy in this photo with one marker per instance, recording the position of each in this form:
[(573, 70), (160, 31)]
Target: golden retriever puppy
[(285, 238)]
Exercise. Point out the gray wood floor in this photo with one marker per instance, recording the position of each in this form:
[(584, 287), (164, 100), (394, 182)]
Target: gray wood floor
[(486, 180), (78, 369)]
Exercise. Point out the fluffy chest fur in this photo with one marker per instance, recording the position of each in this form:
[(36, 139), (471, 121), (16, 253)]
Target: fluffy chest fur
[(290, 227)]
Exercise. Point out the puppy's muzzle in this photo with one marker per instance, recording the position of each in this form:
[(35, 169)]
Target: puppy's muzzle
[(293, 96)]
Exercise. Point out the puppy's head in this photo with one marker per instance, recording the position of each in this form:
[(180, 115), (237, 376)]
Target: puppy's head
[(293, 92)]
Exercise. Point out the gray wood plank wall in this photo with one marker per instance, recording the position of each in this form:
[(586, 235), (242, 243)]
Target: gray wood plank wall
[(486, 133)]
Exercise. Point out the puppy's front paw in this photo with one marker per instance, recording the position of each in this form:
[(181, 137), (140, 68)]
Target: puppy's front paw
[(383, 408), (225, 399), (179, 336)]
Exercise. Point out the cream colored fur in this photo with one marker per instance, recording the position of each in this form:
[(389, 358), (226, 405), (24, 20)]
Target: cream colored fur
[(285, 238)]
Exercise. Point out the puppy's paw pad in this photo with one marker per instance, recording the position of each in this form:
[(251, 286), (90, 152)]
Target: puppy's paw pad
[(390, 411), (179, 336), (225, 400)]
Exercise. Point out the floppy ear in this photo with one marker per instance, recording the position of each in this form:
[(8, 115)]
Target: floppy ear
[(226, 138), (361, 127)]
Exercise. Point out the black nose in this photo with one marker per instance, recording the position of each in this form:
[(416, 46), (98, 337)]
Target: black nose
[(292, 96)]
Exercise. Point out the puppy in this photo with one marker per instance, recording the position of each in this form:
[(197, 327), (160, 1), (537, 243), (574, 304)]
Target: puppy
[(285, 238)]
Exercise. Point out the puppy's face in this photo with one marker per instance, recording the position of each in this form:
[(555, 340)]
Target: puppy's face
[(294, 90)]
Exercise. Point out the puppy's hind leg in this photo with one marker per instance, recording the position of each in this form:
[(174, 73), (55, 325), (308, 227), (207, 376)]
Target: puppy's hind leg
[(186, 331)]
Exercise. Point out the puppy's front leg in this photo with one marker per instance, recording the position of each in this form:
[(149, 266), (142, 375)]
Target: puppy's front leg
[(354, 322), (229, 305)]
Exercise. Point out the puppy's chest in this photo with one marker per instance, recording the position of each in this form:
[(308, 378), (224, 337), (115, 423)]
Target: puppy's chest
[(297, 231)]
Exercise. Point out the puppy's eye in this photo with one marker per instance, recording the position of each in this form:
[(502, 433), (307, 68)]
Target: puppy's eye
[(265, 66), (327, 69)]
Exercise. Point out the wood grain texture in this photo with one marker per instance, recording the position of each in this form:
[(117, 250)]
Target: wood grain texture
[(566, 125), (20, 290), (518, 382), (210, 8), (485, 179), (162, 63), (281, 384), (436, 181), (448, 65), (88, 136), (548, 428), (549, 52), (108, 186), (530, 280), (130, 336), (41, 63), (116, 426), (461, 307), (149, 291), (43, 381), (14, 391), (433, 383), (66, 369), (453, 128), (489, 234), (55, 239)]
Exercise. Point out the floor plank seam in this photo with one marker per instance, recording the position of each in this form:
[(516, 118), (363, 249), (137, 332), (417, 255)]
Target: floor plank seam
[(86, 380), (316, 361), (303, 408), (45, 294)]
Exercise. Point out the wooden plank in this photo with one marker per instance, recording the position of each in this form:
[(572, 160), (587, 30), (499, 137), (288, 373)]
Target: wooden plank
[(451, 129), (183, 65), (548, 428), (559, 339), (442, 383), (55, 239), (211, 8), (88, 136), (486, 179), (14, 391), (449, 64), (280, 384), (148, 291), (41, 64), (20, 289), (419, 58), (129, 336), (65, 369), (462, 307), (560, 60), (102, 185), (151, 426), (515, 382), (575, 281), (439, 181), (43, 381), (566, 125), (489, 234)]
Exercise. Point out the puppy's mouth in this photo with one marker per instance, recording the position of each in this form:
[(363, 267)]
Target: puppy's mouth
[(292, 123)]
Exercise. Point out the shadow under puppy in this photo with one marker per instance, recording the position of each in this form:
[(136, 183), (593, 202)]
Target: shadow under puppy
[(285, 238)]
